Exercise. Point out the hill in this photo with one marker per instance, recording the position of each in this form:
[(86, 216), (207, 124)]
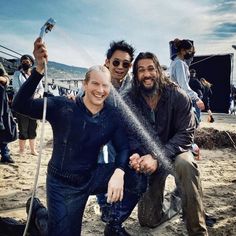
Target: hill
[(58, 70), (55, 70)]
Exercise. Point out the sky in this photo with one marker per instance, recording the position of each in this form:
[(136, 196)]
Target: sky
[(85, 28)]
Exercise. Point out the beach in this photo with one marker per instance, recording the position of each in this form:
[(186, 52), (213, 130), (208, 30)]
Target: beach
[(217, 166)]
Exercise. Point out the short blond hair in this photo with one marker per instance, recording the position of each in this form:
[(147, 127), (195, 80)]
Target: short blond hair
[(98, 68)]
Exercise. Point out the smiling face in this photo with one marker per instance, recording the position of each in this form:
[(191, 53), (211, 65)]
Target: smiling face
[(119, 65), (97, 88), (147, 75)]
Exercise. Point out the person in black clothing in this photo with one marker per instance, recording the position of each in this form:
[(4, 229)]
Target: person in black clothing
[(27, 126), (119, 59), (195, 83), (197, 87), (4, 115), (80, 130), (207, 94)]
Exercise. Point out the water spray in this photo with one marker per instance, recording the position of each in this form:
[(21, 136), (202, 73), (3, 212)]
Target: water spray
[(45, 29), (154, 146)]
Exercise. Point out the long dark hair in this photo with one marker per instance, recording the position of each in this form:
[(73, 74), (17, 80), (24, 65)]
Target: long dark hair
[(163, 80), (182, 44)]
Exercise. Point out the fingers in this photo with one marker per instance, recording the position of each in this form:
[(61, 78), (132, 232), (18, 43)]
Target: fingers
[(40, 50), (134, 159), (109, 196), (148, 166), (121, 195), (134, 156), (114, 195), (135, 164)]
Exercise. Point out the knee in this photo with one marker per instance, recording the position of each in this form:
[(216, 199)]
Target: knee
[(148, 216), (23, 135), (185, 165)]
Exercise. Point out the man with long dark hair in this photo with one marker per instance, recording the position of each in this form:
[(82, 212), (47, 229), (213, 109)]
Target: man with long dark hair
[(166, 111)]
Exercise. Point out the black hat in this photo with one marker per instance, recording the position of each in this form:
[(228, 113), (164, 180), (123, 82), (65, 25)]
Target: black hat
[(25, 57)]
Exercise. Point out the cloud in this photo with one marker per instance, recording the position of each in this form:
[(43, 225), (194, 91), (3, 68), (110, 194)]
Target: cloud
[(227, 29), (85, 28), (226, 6)]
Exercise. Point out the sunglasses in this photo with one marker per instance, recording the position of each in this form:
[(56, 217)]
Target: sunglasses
[(125, 64)]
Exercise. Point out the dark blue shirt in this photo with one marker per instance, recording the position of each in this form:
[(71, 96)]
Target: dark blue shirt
[(78, 135)]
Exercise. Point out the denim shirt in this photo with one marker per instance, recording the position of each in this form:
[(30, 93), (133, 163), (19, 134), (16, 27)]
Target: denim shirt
[(78, 135), (179, 73)]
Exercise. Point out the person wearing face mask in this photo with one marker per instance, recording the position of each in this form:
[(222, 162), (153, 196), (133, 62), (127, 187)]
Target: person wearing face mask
[(27, 126), (179, 70)]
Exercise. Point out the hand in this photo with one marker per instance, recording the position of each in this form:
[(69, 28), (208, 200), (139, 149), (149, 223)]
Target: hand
[(115, 190), (135, 161), (148, 164), (200, 104), (37, 95), (40, 54)]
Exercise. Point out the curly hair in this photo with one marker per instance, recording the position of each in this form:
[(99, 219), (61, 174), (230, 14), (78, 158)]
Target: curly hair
[(122, 46)]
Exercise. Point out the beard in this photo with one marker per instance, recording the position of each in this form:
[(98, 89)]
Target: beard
[(150, 91)]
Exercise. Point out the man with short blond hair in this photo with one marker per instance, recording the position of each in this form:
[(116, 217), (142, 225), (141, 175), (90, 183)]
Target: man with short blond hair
[(80, 130)]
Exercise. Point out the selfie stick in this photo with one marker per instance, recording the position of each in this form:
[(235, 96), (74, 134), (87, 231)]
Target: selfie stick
[(45, 29)]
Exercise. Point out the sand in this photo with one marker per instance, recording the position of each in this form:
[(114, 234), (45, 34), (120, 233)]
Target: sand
[(218, 174)]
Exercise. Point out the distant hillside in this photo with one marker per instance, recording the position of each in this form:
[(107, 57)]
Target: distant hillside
[(62, 71), (55, 70)]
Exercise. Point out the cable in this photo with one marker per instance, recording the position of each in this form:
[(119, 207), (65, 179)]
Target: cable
[(9, 54), (46, 27), (11, 50), (232, 141), (203, 60)]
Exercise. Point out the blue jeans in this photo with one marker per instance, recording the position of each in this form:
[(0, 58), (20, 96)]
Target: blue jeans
[(67, 197), (197, 113), (5, 152)]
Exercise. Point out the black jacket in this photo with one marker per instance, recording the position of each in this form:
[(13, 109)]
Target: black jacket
[(8, 129), (207, 94), (171, 124), (78, 135), (196, 86)]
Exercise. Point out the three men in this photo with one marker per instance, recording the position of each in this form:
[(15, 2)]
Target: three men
[(81, 128)]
